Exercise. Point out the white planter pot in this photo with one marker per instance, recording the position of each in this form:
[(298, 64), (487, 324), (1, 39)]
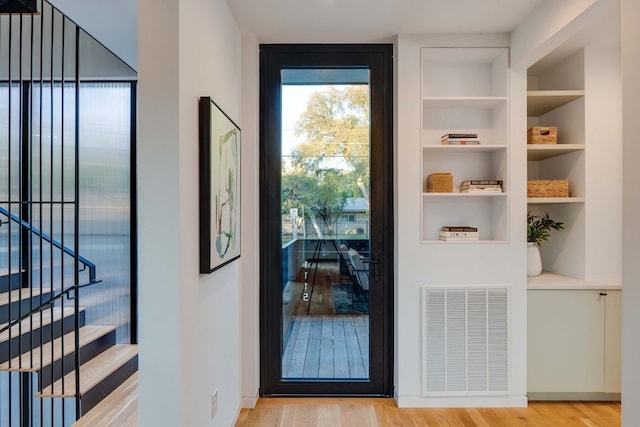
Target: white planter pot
[(534, 262)]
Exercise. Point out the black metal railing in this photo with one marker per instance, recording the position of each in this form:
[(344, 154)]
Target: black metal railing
[(49, 374), (40, 79), (43, 180), (55, 243)]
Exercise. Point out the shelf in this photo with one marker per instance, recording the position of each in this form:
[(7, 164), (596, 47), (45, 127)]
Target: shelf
[(465, 90), (443, 148), (464, 242), (458, 194), (483, 102), (540, 102), (479, 148), (553, 200), (536, 152), (552, 281)]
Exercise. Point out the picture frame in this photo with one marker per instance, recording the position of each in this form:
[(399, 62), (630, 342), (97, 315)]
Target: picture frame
[(219, 172)]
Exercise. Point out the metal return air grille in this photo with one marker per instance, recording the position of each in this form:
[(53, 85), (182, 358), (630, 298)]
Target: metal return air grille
[(465, 346)]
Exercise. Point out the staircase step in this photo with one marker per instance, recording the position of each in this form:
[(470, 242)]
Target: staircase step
[(32, 361), (98, 373), (10, 280), (21, 301), (39, 328), (118, 409)]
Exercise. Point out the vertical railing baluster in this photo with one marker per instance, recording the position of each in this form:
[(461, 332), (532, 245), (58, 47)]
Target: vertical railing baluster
[(41, 161), (51, 163), (76, 223), (133, 211), (22, 156), (9, 193), (62, 185), (30, 200), (1, 388), (41, 198)]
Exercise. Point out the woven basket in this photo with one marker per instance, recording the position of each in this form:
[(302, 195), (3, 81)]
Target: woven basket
[(542, 135), (548, 188)]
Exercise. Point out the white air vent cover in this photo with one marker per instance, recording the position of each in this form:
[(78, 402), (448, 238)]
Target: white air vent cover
[(465, 346)]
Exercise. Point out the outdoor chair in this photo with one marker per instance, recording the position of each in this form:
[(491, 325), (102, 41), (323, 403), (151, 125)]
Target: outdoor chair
[(360, 270)]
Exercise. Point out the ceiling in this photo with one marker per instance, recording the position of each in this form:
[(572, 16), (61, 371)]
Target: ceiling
[(114, 23), (360, 21)]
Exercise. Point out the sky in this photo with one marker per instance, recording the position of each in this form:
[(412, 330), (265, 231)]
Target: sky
[(294, 103)]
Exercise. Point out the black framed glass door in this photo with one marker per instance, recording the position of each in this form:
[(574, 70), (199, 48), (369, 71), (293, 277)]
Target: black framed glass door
[(326, 219)]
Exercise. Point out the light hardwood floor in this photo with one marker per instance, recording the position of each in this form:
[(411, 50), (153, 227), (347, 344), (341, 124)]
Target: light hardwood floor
[(372, 412)]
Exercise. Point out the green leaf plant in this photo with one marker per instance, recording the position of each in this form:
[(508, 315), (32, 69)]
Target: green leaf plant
[(538, 227)]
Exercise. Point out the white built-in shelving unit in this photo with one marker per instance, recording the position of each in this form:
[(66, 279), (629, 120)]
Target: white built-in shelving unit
[(556, 97), (465, 90), (574, 305)]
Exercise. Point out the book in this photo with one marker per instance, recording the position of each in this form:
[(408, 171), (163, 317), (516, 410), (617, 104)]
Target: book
[(481, 190), (470, 188), (457, 239), (481, 182), (460, 142), (459, 135), (459, 234), (458, 228), (480, 187)]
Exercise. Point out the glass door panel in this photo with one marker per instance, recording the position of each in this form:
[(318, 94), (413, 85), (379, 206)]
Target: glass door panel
[(325, 223)]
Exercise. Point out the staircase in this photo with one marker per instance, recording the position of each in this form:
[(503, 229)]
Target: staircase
[(43, 337), (65, 184)]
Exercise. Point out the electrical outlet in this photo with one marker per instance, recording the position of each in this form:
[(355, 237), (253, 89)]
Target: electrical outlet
[(214, 403)]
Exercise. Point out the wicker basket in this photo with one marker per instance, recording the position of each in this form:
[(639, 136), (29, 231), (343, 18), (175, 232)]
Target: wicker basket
[(542, 135), (441, 182), (548, 188)]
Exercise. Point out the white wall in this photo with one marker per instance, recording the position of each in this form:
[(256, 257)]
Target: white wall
[(603, 128), (250, 261), (546, 28), (630, 10), (189, 323), (112, 22)]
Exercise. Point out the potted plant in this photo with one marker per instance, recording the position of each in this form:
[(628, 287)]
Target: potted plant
[(538, 230)]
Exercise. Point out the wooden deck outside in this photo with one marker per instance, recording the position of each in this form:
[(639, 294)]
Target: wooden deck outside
[(327, 347), (320, 344)]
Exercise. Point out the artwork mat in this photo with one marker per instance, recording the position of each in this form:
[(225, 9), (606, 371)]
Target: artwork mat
[(219, 187)]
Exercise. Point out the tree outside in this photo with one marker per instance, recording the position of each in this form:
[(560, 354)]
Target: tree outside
[(331, 164)]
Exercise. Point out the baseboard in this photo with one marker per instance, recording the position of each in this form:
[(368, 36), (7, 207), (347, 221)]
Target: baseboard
[(462, 402), (249, 402), (603, 397)]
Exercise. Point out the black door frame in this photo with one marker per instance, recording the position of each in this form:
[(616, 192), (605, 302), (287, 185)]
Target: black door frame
[(379, 59)]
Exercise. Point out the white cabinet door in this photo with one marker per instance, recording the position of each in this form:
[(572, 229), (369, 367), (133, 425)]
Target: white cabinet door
[(566, 331), (612, 343)]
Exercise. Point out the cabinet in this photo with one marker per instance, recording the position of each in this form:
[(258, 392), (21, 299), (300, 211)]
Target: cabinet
[(574, 343), (465, 90)]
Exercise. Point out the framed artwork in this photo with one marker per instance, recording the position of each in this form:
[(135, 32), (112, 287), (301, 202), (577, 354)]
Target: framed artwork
[(219, 187)]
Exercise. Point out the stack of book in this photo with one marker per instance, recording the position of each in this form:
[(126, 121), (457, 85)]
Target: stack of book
[(457, 233), (459, 139), (481, 186)]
